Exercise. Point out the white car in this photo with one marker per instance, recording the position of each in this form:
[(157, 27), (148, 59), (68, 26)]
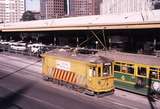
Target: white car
[(35, 47), (19, 46), (4, 42)]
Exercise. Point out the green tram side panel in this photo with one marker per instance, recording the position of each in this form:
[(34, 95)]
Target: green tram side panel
[(130, 87), (124, 77), (128, 82)]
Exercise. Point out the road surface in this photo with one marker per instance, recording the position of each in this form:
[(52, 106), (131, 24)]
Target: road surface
[(22, 87)]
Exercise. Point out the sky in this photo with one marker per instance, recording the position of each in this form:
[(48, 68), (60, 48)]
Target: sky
[(33, 5)]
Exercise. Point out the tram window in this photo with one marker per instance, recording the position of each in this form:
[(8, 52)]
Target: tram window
[(129, 64), (154, 74), (94, 72), (152, 68), (105, 70), (123, 63), (130, 70), (116, 67), (142, 71), (99, 71), (117, 63), (124, 69)]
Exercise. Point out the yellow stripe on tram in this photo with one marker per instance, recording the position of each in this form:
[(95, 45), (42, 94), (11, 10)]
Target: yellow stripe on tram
[(71, 76), (61, 77), (56, 73), (64, 76), (59, 73)]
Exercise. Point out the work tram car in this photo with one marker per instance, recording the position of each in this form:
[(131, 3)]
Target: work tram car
[(87, 72), (136, 72)]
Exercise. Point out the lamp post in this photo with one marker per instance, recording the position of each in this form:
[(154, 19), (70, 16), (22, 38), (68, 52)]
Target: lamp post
[(96, 42), (154, 44), (55, 41), (77, 42), (110, 42)]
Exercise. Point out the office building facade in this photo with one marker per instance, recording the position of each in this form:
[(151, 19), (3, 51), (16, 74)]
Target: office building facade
[(52, 9), (125, 6), (11, 10), (84, 7)]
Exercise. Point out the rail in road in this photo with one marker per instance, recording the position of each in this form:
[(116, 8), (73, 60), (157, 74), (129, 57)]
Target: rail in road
[(20, 79)]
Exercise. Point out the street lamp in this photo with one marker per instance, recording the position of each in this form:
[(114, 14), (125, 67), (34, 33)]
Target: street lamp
[(154, 44), (96, 42), (77, 42), (110, 42), (55, 41)]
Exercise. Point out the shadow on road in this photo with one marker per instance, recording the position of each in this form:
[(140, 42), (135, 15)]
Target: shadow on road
[(8, 101)]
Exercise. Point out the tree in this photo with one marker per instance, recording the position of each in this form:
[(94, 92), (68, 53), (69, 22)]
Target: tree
[(28, 16)]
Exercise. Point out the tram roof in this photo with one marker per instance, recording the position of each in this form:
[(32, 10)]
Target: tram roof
[(131, 58), (116, 21), (74, 54)]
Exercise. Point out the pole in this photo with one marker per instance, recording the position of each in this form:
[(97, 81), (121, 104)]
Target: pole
[(77, 42), (154, 44), (96, 44), (109, 40), (54, 41)]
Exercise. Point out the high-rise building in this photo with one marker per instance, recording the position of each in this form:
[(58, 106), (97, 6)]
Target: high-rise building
[(84, 7), (156, 4), (11, 10), (125, 6), (52, 9), (32, 5), (2, 8)]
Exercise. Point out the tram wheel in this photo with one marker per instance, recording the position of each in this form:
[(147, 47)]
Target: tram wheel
[(46, 78)]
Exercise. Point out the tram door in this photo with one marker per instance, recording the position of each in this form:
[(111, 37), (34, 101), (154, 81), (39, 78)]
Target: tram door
[(94, 77), (141, 76)]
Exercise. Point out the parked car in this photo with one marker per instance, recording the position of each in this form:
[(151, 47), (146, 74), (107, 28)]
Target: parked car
[(18, 46), (35, 47), (4, 42)]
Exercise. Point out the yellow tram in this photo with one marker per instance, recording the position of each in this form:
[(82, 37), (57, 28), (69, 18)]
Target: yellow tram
[(87, 72)]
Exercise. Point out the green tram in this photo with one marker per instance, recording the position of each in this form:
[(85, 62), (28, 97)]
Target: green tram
[(135, 72)]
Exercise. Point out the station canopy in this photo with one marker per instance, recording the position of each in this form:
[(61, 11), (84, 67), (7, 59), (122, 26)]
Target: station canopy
[(138, 20)]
